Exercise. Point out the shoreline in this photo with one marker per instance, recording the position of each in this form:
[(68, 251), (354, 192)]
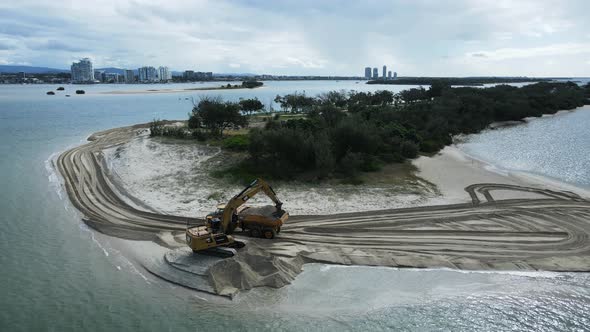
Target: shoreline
[(408, 237), (469, 164)]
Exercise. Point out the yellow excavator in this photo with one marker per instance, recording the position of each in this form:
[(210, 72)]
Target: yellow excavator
[(214, 237)]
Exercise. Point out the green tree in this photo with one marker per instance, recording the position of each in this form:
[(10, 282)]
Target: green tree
[(217, 115), (251, 105), (437, 87)]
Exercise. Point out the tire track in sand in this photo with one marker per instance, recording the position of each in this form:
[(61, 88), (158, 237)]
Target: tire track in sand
[(549, 232)]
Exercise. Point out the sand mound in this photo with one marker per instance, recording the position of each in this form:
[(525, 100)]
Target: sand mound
[(253, 267)]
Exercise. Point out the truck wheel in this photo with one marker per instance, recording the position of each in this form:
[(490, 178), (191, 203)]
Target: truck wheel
[(255, 233), (269, 233)]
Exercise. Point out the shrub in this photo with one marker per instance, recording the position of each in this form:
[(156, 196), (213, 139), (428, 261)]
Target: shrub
[(199, 135), (176, 132), (156, 128), (430, 146), (409, 149), (370, 164), (194, 121), (236, 143), (351, 163)]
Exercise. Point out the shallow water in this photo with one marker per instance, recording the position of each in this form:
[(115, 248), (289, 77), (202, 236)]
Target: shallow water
[(58, 275), (555, 146)]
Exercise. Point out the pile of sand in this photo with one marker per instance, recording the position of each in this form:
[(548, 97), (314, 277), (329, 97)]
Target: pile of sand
[(253, 267)]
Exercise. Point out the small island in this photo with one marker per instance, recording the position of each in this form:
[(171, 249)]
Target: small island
[(317, 150)]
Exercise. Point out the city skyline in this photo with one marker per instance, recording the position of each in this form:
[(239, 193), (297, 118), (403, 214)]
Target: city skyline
[(422, 38)]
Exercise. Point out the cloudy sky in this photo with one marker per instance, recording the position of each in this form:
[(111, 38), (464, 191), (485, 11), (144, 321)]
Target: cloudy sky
[(321, 37)]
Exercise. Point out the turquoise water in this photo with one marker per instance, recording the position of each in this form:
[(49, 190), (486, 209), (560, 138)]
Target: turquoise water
[(57, 275)]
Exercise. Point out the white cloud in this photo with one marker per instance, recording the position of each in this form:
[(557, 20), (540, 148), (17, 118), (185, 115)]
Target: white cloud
[(325, 37), (531, 52)]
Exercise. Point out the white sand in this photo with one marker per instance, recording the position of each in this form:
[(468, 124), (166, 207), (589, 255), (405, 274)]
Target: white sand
[(452, 170), (172, 177)]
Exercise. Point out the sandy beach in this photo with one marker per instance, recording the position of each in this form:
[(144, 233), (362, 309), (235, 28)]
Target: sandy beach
[(453, 213)]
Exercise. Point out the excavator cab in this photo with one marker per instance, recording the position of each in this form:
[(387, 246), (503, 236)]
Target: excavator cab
[(214, 218), (221, 223)]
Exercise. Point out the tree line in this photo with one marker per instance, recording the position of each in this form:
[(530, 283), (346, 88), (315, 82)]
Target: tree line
[(473, 81), (340, 134)]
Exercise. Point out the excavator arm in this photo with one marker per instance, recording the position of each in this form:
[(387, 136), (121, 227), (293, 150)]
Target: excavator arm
[(252, 189)]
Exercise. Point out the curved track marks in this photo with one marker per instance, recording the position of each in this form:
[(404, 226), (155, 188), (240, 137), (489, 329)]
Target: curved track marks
[(93, 193), (535, 233)]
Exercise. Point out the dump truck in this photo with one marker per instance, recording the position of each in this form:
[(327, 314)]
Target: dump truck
[(215, 235)]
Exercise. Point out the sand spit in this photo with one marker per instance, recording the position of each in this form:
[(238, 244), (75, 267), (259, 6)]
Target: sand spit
[(528, 229), (159, 91)]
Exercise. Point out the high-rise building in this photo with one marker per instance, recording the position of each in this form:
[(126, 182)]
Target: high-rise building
[(368, 72), (375, 72), (395, 74), (148, 74), (384, 71), (191, 76), (164, 74), (82, 71), (188, 75), (389, 75), (99, 75), (111, 78), (129, 76)]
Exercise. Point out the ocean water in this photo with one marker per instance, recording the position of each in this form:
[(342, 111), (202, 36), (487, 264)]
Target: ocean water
[(57, 275)]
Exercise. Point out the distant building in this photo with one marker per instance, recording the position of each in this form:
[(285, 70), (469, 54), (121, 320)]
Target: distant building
[(82, 71), (384, 71), (129, 76), (147, 74), (112, 78), (191, 75), (99, 75), (395, 74), (375, 73), (164, 74), (389, 75), (188, 75), (368, 72)]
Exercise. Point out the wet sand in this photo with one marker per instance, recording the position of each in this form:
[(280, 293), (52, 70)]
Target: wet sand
[(497, 226)]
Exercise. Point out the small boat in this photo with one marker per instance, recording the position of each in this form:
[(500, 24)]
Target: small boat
[(51, 93)]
